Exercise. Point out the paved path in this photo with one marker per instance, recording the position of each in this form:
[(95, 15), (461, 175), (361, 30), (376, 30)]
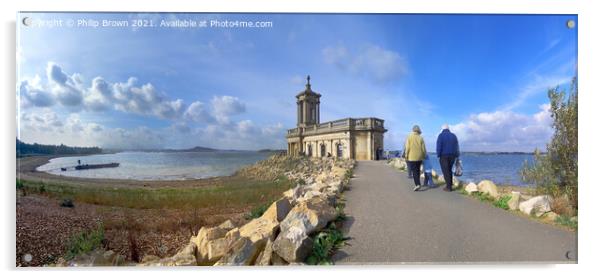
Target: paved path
[(389, 223)]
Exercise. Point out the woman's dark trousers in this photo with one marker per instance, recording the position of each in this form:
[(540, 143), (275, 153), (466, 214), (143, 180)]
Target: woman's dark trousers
[(414, 168), (447, 162)]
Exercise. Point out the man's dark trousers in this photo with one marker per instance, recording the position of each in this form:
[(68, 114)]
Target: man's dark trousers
[(447, 162)]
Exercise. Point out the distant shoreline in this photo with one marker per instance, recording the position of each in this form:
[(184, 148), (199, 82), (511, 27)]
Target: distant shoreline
[(26, 170)]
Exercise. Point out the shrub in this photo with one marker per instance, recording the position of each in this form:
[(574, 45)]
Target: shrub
[(42, 188), (85, 242), (503, 202), (67, 203), (555, 172), (324, 244), (340, 208)]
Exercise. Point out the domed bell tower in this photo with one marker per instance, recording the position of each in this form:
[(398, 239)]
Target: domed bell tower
[(308, 107)]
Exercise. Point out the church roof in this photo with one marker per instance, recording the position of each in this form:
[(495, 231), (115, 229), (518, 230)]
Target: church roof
[(308, 90)]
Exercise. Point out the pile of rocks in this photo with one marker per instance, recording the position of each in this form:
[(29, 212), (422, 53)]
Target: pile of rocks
[(281, 235), (534, 206)]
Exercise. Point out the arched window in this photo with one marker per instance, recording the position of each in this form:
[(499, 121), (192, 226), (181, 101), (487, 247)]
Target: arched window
[(309, 150), (339, 150)]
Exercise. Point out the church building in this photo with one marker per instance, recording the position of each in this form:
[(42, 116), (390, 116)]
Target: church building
[(355, 138)]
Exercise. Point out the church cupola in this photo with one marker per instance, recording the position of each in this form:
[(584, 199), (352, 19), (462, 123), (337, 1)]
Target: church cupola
[(308, 106)]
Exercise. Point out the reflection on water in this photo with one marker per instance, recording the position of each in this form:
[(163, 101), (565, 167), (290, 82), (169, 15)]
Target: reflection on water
[(157, 165)]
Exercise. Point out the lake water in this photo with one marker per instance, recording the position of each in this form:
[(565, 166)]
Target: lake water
[(500, 168), (157, 165)]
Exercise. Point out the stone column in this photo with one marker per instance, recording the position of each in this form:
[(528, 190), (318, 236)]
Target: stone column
[(318, 113), (370, 146), (303, 109), (298, 113)]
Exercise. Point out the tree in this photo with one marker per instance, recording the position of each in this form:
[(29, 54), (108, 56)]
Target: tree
[(555, 172)]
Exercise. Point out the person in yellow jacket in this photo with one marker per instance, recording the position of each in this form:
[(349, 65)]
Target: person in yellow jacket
[(415, 151)]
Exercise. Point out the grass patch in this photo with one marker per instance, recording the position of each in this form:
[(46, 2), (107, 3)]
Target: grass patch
[(484, 197), (231, 191), (85, 242), (503, 202), (324, 245), (566, 221)]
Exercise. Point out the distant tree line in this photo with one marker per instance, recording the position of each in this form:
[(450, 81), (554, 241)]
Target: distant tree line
[(26, 149)]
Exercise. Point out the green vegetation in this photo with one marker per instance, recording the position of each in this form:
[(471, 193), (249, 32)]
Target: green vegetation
[(555, 172), (503, 202), (25, 149), (567, 221), (85, 242), (231, 191), (324, 245), (347, 178), (484, 197), (258, 211), (340, 208)]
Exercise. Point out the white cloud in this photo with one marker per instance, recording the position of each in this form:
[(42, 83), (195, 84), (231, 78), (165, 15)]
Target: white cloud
[(505, 131), (371, 61), (32, 94), (63, 87), (199, 124), (55, 74), (100, 96), (226, 106), (199, 113)]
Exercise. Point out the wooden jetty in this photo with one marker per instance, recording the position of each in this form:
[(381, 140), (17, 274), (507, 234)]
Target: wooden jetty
[(96, 166)]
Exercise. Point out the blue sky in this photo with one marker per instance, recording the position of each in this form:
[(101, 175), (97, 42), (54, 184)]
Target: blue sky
[(485, 75)]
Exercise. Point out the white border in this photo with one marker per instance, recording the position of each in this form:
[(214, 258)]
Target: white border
[(589, 83)]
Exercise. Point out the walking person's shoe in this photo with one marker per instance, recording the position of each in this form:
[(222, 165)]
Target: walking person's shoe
[(446, 189), (416, 187)]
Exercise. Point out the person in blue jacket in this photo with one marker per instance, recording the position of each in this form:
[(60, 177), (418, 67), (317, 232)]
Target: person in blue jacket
[(448, 150)]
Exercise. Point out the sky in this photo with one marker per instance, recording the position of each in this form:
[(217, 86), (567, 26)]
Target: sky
[(133, 87)]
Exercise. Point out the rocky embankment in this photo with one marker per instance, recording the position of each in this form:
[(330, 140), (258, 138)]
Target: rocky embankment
[(281, 236), (540, 206)]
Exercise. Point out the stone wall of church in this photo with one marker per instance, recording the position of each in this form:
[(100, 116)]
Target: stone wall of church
[(335, 144), (359, 145)]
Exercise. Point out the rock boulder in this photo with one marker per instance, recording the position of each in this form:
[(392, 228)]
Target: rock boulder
[(536, 206), (488, 187), (514, 200), (259, 229), (293, 243), (243, 252), (278, 210), (471, 187)]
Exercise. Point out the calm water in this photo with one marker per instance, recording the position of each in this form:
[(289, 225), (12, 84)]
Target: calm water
[(500, 168), (158, 165)]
